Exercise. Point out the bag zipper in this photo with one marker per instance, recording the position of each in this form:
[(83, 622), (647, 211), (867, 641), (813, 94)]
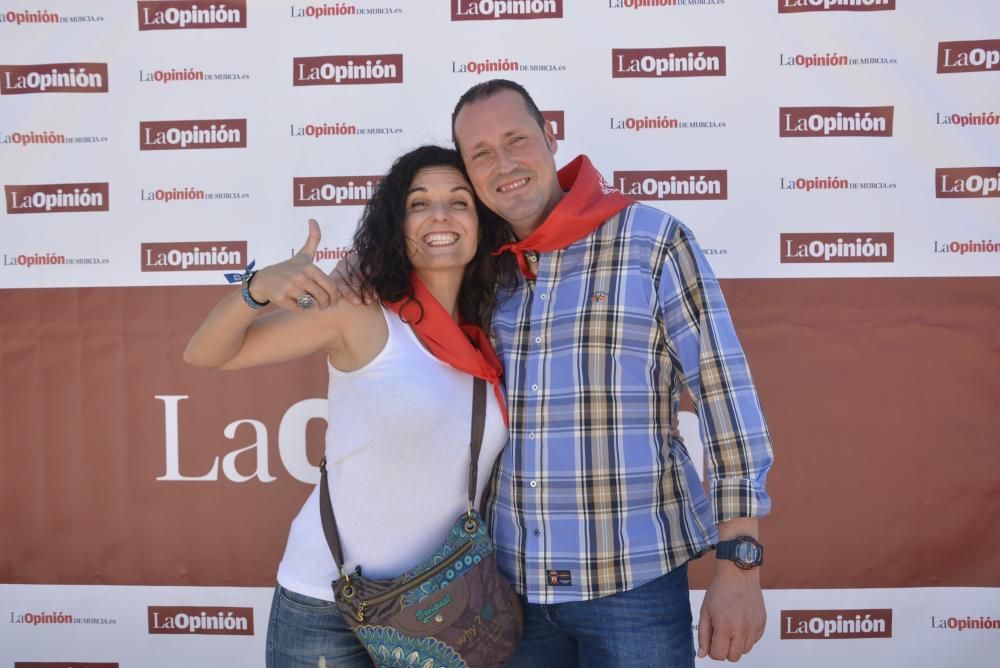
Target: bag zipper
[(427, 575)]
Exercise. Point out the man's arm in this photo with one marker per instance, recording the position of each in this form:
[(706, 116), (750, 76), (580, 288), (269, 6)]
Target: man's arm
[(737, 444)]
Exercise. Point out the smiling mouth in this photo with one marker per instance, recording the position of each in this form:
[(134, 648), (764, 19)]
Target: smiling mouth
[(440, 238), (510, 187)]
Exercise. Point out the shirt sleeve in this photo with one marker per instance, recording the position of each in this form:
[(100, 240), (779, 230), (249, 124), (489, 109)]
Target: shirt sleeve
[(709, 359)]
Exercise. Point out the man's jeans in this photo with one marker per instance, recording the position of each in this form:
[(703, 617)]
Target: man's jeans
[(302, 629), (649, 626)]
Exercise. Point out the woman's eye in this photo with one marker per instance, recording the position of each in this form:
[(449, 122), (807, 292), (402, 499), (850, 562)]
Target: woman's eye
[(417, 204), (460, 203)]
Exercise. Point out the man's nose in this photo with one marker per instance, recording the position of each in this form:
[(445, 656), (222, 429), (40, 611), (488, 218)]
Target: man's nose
[(505, 160)]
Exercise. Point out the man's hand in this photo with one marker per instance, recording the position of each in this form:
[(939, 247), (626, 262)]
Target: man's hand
[(732, 614), (347, 281), (286, 281)]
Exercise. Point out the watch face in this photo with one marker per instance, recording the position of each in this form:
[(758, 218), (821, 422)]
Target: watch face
[(747, 553)]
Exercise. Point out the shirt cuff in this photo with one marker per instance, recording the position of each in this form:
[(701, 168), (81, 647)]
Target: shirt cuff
[(734, 498)]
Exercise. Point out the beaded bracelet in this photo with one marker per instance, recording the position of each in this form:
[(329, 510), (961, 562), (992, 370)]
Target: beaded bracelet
[(247, 297)]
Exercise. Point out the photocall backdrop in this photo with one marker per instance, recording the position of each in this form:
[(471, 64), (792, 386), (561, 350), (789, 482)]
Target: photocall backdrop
[(838, 160)]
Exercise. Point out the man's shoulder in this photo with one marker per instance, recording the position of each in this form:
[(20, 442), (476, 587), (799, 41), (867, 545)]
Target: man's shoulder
[(642, 221), (650, 215)]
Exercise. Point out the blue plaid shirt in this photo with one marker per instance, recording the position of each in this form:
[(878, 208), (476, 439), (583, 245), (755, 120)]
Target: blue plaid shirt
[(595, 493)]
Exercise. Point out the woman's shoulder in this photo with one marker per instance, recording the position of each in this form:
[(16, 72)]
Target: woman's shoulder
[(362, 332), (350, 321)]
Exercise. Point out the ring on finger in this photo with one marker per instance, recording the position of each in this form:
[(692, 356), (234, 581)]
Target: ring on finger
[(306, 301)]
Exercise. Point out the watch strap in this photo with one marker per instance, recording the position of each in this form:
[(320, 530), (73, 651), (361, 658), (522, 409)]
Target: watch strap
[(726, 549)]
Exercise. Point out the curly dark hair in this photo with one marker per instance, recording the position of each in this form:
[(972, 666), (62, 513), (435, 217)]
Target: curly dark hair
[(381, 245)]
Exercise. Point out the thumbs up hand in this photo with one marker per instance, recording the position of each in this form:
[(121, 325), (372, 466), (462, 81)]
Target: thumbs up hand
[(286, 283)]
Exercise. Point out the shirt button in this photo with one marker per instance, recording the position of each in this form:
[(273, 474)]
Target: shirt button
[(533, 483), (538, 532), (538, 339), (543, 296), (534, 387), (531, 436)]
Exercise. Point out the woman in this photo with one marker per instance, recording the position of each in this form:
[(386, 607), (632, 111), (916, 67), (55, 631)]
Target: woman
[(397, 443)]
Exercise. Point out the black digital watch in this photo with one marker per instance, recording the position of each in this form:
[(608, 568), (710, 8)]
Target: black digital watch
[(743, 551)]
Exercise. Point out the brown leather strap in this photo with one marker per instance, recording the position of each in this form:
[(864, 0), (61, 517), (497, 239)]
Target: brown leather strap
[(475, 446), (476, 440), (326, 515)]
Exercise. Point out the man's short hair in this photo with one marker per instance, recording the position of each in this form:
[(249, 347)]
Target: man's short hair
[(487, 89)]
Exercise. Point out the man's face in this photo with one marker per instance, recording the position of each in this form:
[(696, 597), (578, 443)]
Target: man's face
[(510, 160)]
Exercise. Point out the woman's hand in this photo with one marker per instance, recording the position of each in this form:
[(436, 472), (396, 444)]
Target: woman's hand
[(283, 283), (235, 336)]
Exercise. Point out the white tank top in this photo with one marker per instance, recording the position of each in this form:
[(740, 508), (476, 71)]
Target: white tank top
[(397, 450)]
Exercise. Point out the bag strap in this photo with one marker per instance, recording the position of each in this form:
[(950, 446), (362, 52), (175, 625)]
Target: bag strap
[(476, 438), (475, 446), (326, 515)]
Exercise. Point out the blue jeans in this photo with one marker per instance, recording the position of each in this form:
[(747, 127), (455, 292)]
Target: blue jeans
[(301, 629), (649, 626)]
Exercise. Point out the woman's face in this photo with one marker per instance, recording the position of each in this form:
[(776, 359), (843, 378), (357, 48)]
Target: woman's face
[(441, 226)]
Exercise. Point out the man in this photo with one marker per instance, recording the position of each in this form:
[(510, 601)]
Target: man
[(596, 508)]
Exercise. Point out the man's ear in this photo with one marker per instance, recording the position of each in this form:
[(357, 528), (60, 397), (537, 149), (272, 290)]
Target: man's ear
[(550, 137)]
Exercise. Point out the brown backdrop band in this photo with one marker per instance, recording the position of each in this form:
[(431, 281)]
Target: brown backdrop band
[(883, 396)]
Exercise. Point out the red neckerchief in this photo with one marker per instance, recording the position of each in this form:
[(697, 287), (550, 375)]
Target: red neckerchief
[(465, 347), (588, 202)]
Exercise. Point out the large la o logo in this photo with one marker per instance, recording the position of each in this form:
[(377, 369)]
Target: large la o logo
[(291, 444)]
